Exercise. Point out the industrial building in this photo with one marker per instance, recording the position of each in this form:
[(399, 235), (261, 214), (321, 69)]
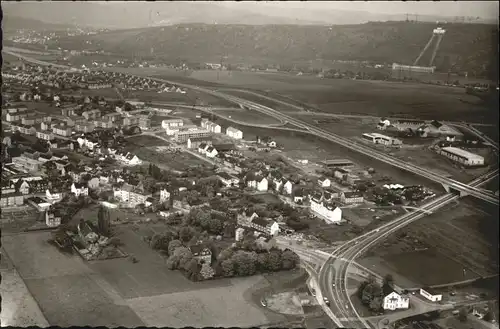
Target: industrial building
[(381, 139), (461, 156), (338, 163)]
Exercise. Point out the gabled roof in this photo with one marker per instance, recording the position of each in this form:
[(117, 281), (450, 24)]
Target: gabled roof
[(198, 248)]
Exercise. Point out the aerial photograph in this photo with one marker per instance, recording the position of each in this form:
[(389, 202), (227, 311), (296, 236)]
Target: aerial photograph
[(291, 164)]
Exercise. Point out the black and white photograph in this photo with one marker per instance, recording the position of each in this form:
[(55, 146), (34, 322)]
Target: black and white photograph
[(250, 164)]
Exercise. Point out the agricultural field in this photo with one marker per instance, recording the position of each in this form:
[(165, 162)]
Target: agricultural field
[(378, 98), (120, 293), (19, 309), (18, 219), (175, 161), (460, 236)]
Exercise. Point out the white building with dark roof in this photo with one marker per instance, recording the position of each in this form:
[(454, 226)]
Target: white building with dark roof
[(395, 301)]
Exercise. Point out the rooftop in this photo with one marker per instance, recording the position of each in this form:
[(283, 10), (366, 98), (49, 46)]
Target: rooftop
[(461, 153)]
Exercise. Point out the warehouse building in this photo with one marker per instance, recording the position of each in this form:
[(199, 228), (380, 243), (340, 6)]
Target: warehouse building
[(381, 139), (461, 156)]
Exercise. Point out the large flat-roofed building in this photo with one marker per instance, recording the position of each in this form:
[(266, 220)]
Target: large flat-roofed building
[(462, 156), (183, 136), (26, 163), (413, 68), (165, 124), (338, 163), (381, 139)]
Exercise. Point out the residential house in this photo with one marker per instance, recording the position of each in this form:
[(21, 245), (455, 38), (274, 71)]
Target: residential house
[(85, 127), (22, 186), (227, 179), (39, 203), (266, 141), (324, 182), (268, 227), (92, 114), (395, 301), (52, 219), (184, 135), (196, 142), (131, 195), (234, 133), (201, 253), (52, 197), (45, 135), (287, 187), (79, 189), (61, 130), (11, 199), (259, 183), (211, 152), (164, 195), (298, 196), (210, 126), (351, 197), (325, 209)]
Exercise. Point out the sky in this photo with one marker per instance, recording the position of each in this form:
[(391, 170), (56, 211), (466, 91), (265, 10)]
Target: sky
[(483, 9)]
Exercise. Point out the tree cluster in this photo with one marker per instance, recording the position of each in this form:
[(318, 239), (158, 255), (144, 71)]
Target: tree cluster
[(371, 294), (233, 262)]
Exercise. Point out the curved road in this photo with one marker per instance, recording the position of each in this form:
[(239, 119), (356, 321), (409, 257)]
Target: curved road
[(335, 269)]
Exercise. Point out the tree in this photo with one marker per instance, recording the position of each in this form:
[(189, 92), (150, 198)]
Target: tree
[(274, 260), (488, 316), (173, 245), (371, 291), (161, 241), (227, 267), (244, 263), (104, 221), (206, 271), (388, 284), (289, 260), (192, 269), (186, 233), (462, 314), (376, 304)]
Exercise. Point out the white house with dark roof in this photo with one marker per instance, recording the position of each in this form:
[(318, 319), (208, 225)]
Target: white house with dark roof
[(211, 152), (164, 195), (395, 301), (227, 179), (324, 182), (259, 183), (79, 189), (325, 209)]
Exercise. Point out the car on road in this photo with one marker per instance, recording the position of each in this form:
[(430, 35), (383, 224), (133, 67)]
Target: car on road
[(327, 302), (333, 284)]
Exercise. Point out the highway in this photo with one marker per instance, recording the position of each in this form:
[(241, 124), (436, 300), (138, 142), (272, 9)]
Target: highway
[(488, 196), (335, 270)]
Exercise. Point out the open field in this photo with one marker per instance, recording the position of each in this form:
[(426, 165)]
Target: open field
[(19, 309), (264, 101), (62, 284), (176, 161), (108, 93), (379, 98), (460, 236), (18, 219), (210, 307), (120, 293), (248, 116), (147, 140)]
